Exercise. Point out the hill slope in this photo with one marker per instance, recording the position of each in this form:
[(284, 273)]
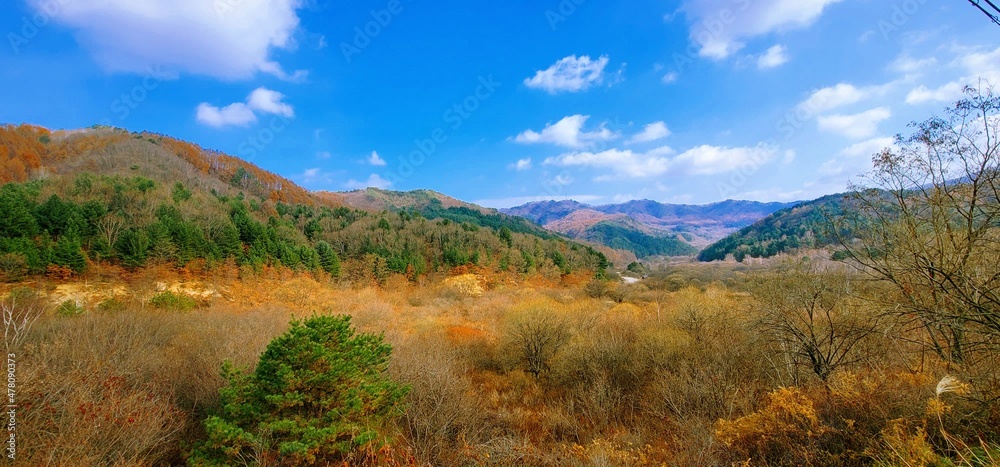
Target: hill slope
[(647, 227), (136, 199), (432, 205), (806, 225)]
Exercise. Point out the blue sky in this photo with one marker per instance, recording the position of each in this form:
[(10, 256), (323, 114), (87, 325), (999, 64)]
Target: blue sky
[(505, 102)]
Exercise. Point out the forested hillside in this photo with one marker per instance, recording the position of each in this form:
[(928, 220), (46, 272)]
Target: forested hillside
[(134, 199), (808, 225)]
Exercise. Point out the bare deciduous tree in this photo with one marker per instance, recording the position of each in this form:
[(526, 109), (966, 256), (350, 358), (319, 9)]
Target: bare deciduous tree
[(928, 218), (536, 338), (809, 316)]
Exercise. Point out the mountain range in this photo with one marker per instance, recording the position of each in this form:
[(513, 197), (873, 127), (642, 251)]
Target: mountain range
[(647, 227)]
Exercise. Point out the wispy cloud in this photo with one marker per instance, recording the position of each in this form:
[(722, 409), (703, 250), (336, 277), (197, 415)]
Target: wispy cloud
[(521, 164), (775, 56), (570, 74), (653, 132), (856, 126)]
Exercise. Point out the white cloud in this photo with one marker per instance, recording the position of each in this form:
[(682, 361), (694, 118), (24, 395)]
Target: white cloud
[(774, 57), (669, 77), (856, 126), (374, 180), (652, 132), (622, 163), (567, 132), (868, 147), (261, 100), (945, 93), (904, 64), (238, 114), (562, 180), (710, 160), (855, 158), (570, 74), (521, 164), (829, 98), (720, 26), (227, 40), (375, 159), (701, 160), (975, 63), (268, 101), (323, 155)]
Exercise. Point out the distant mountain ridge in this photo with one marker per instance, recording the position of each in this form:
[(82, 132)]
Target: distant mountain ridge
[(645, 226)]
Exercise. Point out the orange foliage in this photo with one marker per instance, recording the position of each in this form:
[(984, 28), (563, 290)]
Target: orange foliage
[(464, 334), (21, 148)]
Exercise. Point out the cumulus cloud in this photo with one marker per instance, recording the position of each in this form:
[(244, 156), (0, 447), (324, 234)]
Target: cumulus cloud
[(373, 181), (375, 159), (711, 160), (567, 132), (774, 57), (700, 160), (261, 100), (652, 132), (267, 101), (570, 74), (238, 114), (720, 26), (856, 126), (221, 39), (622, 163), (521, 164), (975, 63)]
